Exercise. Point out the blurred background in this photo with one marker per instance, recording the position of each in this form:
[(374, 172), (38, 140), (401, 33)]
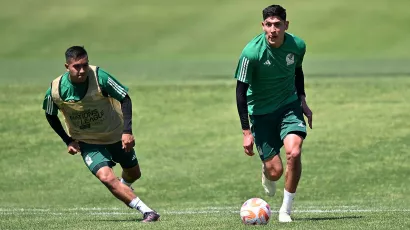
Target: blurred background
[(192, 39), (178, 59)]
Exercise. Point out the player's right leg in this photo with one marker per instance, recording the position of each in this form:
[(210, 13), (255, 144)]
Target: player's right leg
[(119, 190), (268, 143), (130, 173), (272, 170), (99, 161), (125, 194)]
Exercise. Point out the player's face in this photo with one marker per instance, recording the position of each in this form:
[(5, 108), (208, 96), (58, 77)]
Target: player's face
[(78, 69), (275, 28)]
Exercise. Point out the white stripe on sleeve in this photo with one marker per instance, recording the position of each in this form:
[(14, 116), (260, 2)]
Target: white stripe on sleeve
[(117, 87), (244, 68), (50, 105)]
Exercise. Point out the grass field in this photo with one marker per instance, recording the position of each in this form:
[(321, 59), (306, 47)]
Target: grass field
[(177, 59)]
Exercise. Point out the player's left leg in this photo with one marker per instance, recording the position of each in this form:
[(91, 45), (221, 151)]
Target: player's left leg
[(293, 149), (293, 133), (128, 161), (130, 173)]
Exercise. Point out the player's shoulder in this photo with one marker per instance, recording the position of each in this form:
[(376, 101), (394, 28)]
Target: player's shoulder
[(105, 78), (254, 47), (62, 76), (102, 74), (298, 42), (48, 92), (101, 71), (60, 80)]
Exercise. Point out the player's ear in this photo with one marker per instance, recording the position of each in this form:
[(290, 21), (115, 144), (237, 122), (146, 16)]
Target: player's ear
[(66, 66), (286, 25)]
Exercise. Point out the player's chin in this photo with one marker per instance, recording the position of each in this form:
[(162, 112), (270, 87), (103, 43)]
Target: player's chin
[(81, 78), (272, 41)]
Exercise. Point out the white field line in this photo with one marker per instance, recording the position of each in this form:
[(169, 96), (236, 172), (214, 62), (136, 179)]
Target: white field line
[(209, 210), (187, 209)]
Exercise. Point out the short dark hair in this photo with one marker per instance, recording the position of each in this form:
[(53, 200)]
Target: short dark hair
[(274, 10), (75, 52)]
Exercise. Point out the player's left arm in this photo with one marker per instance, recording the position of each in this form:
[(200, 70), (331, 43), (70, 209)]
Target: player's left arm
[(299, 76), (300, 83), (113, 88), (300, 87)]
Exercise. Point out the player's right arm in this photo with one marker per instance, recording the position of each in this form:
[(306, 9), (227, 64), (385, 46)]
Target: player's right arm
[(51, 111), (244, 74)]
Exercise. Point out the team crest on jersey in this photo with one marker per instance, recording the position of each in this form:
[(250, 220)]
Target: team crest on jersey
[(290, 59)]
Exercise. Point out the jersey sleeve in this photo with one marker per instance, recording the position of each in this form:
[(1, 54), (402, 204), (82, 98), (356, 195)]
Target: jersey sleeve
[(111, 86), (244, 70), (302, 55), (48, 104)]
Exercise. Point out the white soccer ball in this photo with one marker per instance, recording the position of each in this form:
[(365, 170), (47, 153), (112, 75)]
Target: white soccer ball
[(255, 211)]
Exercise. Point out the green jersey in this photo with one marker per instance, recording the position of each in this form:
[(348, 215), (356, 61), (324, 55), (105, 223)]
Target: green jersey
[(76, 91), (270, 72)]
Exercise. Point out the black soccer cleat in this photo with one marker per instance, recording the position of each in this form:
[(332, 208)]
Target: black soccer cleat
[(151, 217)]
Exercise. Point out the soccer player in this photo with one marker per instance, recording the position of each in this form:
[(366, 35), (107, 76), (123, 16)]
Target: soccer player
[(98, 115), (270, 89)]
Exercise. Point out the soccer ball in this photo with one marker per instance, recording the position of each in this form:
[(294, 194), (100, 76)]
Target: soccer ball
[(255, 211)]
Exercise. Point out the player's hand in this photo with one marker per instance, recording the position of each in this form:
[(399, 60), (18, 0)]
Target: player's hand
[(308, 113), (248, 142), (128, 142), (73, 148)]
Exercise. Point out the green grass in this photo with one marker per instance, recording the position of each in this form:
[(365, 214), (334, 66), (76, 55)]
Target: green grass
[(120, 219), (194, 170), (178, 58)]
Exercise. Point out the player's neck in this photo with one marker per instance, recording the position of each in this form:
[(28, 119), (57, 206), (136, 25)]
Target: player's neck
[(277, 44)]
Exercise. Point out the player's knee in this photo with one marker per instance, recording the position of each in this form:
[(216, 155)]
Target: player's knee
[(133, 174), (274, 175), (108, 180), (136, 175), (294, 153)]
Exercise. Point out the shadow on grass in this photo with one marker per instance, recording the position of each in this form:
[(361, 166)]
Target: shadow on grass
[(328, 218), (122, 220)]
